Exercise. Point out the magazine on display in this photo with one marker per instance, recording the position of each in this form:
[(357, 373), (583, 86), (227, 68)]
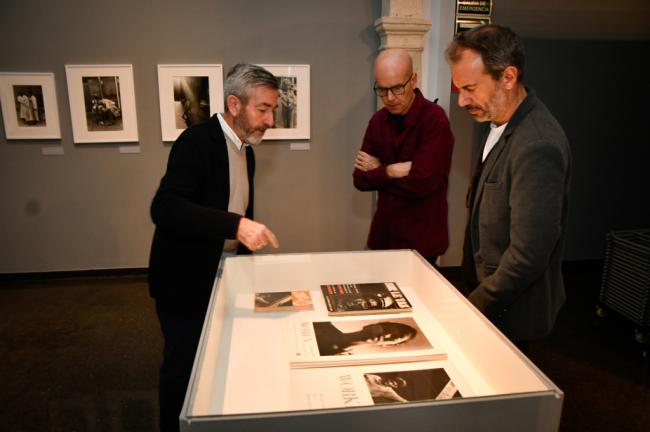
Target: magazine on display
[(370, 385), (282, 301), (364, 298), (354, 341)]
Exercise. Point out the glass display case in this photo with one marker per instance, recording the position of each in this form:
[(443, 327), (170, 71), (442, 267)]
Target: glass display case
[(244, 379)]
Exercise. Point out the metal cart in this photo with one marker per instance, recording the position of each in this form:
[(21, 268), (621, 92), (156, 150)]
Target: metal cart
[(626, 279)]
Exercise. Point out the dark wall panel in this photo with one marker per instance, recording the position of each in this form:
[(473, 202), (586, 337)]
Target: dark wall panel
[(599, 92)]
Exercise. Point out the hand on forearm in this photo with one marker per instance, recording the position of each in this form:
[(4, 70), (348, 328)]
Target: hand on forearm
[(366, 162), (255, 235), (398, 170)]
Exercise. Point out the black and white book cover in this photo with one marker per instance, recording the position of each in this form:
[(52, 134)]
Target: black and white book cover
[(364, 298), (359, 340), (371, 385)]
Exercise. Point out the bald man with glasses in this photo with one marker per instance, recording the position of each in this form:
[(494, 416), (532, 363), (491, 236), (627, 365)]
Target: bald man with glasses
[(406, 157)]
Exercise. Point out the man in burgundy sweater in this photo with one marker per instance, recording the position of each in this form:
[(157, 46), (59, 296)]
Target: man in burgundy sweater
[(405, 157)]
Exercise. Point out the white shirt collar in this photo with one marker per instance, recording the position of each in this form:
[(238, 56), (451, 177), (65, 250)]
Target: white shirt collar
[(229, 133), (493, 138)]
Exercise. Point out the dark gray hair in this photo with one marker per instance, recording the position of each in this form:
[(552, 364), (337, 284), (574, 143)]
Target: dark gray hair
[(242, 77), (498, 46)]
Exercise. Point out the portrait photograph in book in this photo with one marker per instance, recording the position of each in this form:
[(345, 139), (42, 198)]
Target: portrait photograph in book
[(410, 385), (360, 341), (364, 298), (29, 105), (366, 385), (367, 337)]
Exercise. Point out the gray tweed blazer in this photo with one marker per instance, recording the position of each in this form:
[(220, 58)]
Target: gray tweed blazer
[(518, 224)]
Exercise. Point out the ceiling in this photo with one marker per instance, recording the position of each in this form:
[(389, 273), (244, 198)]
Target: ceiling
[(575, 19)]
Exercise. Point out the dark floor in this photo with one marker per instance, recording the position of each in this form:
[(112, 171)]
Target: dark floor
[(78, 355), (83, 354)]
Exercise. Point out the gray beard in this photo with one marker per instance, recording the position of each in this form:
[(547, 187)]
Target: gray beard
[(253, 140), (243, 125)]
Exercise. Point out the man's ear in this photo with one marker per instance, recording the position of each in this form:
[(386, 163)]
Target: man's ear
[(509, 77), (414, 80), (234, 105)]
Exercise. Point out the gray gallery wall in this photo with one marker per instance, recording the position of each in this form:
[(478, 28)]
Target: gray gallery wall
[(88, 209)]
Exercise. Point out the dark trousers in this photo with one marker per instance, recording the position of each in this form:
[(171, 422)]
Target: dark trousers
[(181, 334), (468, 269)]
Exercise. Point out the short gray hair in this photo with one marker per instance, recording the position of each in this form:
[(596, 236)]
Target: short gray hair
[(242, 77)]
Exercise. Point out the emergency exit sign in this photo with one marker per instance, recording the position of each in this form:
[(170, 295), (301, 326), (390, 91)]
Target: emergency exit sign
[(474, 7)]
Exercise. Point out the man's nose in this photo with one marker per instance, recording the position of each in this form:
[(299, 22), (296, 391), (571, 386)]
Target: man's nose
[(463, 100), (269, 119)]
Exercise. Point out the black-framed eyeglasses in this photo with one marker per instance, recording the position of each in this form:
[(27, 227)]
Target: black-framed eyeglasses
[(397, 90)]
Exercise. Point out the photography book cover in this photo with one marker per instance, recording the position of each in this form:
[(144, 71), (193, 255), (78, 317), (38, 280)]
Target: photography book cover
[(364, 298)]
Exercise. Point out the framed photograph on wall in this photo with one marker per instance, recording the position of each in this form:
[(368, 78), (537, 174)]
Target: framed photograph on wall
[(189, 94), (29, 106), (102, 103), (292, 114)]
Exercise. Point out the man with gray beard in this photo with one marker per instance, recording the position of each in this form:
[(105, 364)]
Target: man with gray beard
[(203, 209)]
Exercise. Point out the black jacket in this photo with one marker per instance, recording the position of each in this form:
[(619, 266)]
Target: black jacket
[(190, 211)]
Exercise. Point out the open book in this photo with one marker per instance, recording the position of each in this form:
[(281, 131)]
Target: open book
[(364, 298), (359, 340), (370, 385)]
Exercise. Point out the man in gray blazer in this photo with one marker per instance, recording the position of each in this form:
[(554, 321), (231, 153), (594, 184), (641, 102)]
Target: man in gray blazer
[(518, 197)]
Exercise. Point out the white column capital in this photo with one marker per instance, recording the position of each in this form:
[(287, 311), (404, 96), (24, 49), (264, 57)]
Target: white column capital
[(402, 8), (401, 32)]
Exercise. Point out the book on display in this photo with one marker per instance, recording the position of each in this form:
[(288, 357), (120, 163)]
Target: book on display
[(371, 385), (364, 298), (358, 340), (282, 301)]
